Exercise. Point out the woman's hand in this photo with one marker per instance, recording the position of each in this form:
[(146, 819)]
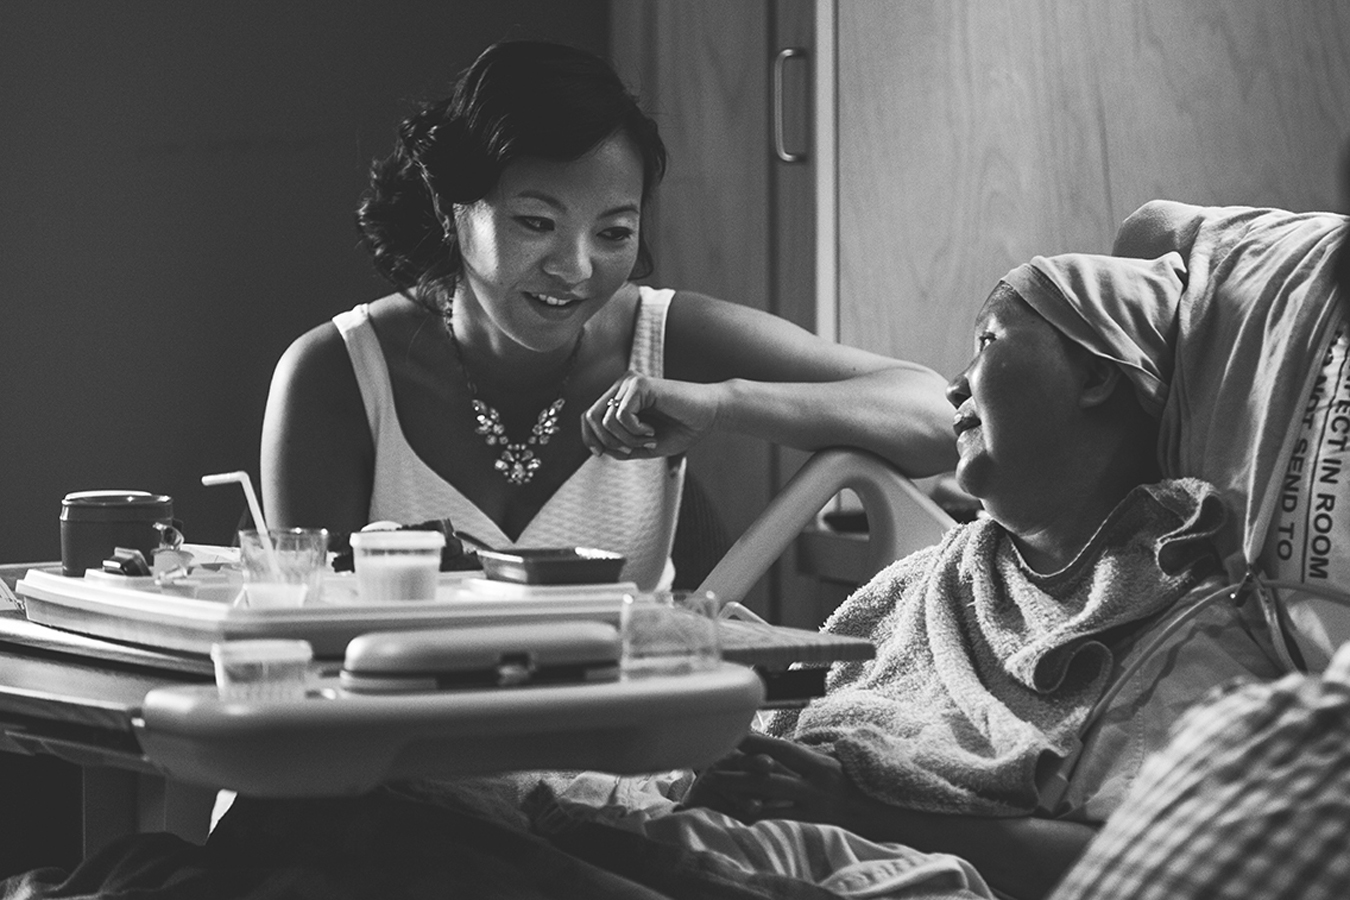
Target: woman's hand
[(720, 788), (770, 778), (640, 417)]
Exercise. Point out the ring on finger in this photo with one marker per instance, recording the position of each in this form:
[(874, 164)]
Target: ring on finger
[(613, 402)]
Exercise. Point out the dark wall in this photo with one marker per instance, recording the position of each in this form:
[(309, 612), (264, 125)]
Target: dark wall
[(177, 184)]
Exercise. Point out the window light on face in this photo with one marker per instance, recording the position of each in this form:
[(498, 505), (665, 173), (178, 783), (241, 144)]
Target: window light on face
[(1013, 401), (553, 243)]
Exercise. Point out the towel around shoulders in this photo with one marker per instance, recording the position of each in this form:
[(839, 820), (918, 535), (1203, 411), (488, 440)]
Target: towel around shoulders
[(983, 666)]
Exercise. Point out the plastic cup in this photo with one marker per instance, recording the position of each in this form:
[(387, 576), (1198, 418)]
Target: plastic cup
[(669, 633), (397, 566), (262, 669), (292, 574)]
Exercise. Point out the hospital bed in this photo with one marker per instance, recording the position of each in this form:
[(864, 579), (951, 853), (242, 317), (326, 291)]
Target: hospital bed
[(1259, 409), (156, 741)]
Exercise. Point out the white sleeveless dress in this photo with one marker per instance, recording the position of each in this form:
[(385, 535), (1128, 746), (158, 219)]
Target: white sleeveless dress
[(625, 506)]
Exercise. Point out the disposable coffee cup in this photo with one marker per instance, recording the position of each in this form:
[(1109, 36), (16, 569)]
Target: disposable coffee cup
[(397, 566), (95, 523)]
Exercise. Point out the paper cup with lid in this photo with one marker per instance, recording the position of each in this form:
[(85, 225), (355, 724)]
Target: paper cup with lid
[(397, 566)]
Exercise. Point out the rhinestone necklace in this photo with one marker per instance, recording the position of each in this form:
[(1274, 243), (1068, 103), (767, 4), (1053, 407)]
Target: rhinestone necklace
[(518, 461)]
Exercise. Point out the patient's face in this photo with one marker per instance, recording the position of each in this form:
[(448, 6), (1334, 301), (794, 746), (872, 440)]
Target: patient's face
[(1014, 404)]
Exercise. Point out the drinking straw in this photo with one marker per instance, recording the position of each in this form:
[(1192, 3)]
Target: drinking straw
[(255, 509)]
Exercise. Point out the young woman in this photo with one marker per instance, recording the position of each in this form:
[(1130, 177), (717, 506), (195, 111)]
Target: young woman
[(518, 382)]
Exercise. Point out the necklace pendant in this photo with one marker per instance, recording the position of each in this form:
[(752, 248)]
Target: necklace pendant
[(517, 464)]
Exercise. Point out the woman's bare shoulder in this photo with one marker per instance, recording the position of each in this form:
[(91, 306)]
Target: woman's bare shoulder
[(318, 354), (395, 309), (322, 350)]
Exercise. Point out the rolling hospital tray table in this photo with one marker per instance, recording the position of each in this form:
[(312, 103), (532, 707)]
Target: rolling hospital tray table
[(139, 711), (155, 739)]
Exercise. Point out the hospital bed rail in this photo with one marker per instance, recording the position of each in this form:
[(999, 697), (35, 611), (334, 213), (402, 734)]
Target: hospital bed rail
[(901, 518)]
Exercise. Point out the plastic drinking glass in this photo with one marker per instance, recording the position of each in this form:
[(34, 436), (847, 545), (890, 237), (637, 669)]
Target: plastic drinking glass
[(264, 669), (292, 574), (669, 633)]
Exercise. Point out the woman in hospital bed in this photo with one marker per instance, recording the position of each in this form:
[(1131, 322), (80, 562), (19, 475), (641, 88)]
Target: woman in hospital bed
[(993, 646)]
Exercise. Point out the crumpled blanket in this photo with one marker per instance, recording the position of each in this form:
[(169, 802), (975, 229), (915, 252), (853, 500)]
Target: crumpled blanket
[(778, 854), (984, 667)]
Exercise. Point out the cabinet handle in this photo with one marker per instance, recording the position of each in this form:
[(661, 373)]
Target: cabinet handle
[(779, 63)]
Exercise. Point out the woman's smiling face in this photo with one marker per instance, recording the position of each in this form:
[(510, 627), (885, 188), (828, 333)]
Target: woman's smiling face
[(552, 243), (1014, 402)]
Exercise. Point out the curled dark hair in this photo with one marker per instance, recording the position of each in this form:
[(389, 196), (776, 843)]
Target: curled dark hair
[(518, 99)]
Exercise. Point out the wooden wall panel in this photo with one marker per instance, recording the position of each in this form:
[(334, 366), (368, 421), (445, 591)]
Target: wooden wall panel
[(975, 134)]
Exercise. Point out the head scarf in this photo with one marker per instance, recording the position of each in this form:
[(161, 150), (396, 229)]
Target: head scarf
[(1119, 308)]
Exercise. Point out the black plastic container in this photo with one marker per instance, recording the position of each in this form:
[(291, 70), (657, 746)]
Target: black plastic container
[(94, 523)]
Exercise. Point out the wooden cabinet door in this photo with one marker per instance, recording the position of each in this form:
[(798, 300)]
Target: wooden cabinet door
[(730, 220)]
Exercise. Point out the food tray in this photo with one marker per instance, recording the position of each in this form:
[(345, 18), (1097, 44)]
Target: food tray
[(139, 613)]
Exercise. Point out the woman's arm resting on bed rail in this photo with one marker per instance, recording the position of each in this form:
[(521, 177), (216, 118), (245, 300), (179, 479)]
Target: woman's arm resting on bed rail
[(773, 778), (735, 369)]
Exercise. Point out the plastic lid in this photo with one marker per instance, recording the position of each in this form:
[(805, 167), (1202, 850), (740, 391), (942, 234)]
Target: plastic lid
[(115, 498), (263, 650), (410, 539), (122, 506)]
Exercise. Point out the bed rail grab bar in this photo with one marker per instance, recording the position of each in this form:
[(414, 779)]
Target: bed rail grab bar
[(901, 518)]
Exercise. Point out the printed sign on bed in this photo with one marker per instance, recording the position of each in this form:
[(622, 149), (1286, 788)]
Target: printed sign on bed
[(1309, 536)]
